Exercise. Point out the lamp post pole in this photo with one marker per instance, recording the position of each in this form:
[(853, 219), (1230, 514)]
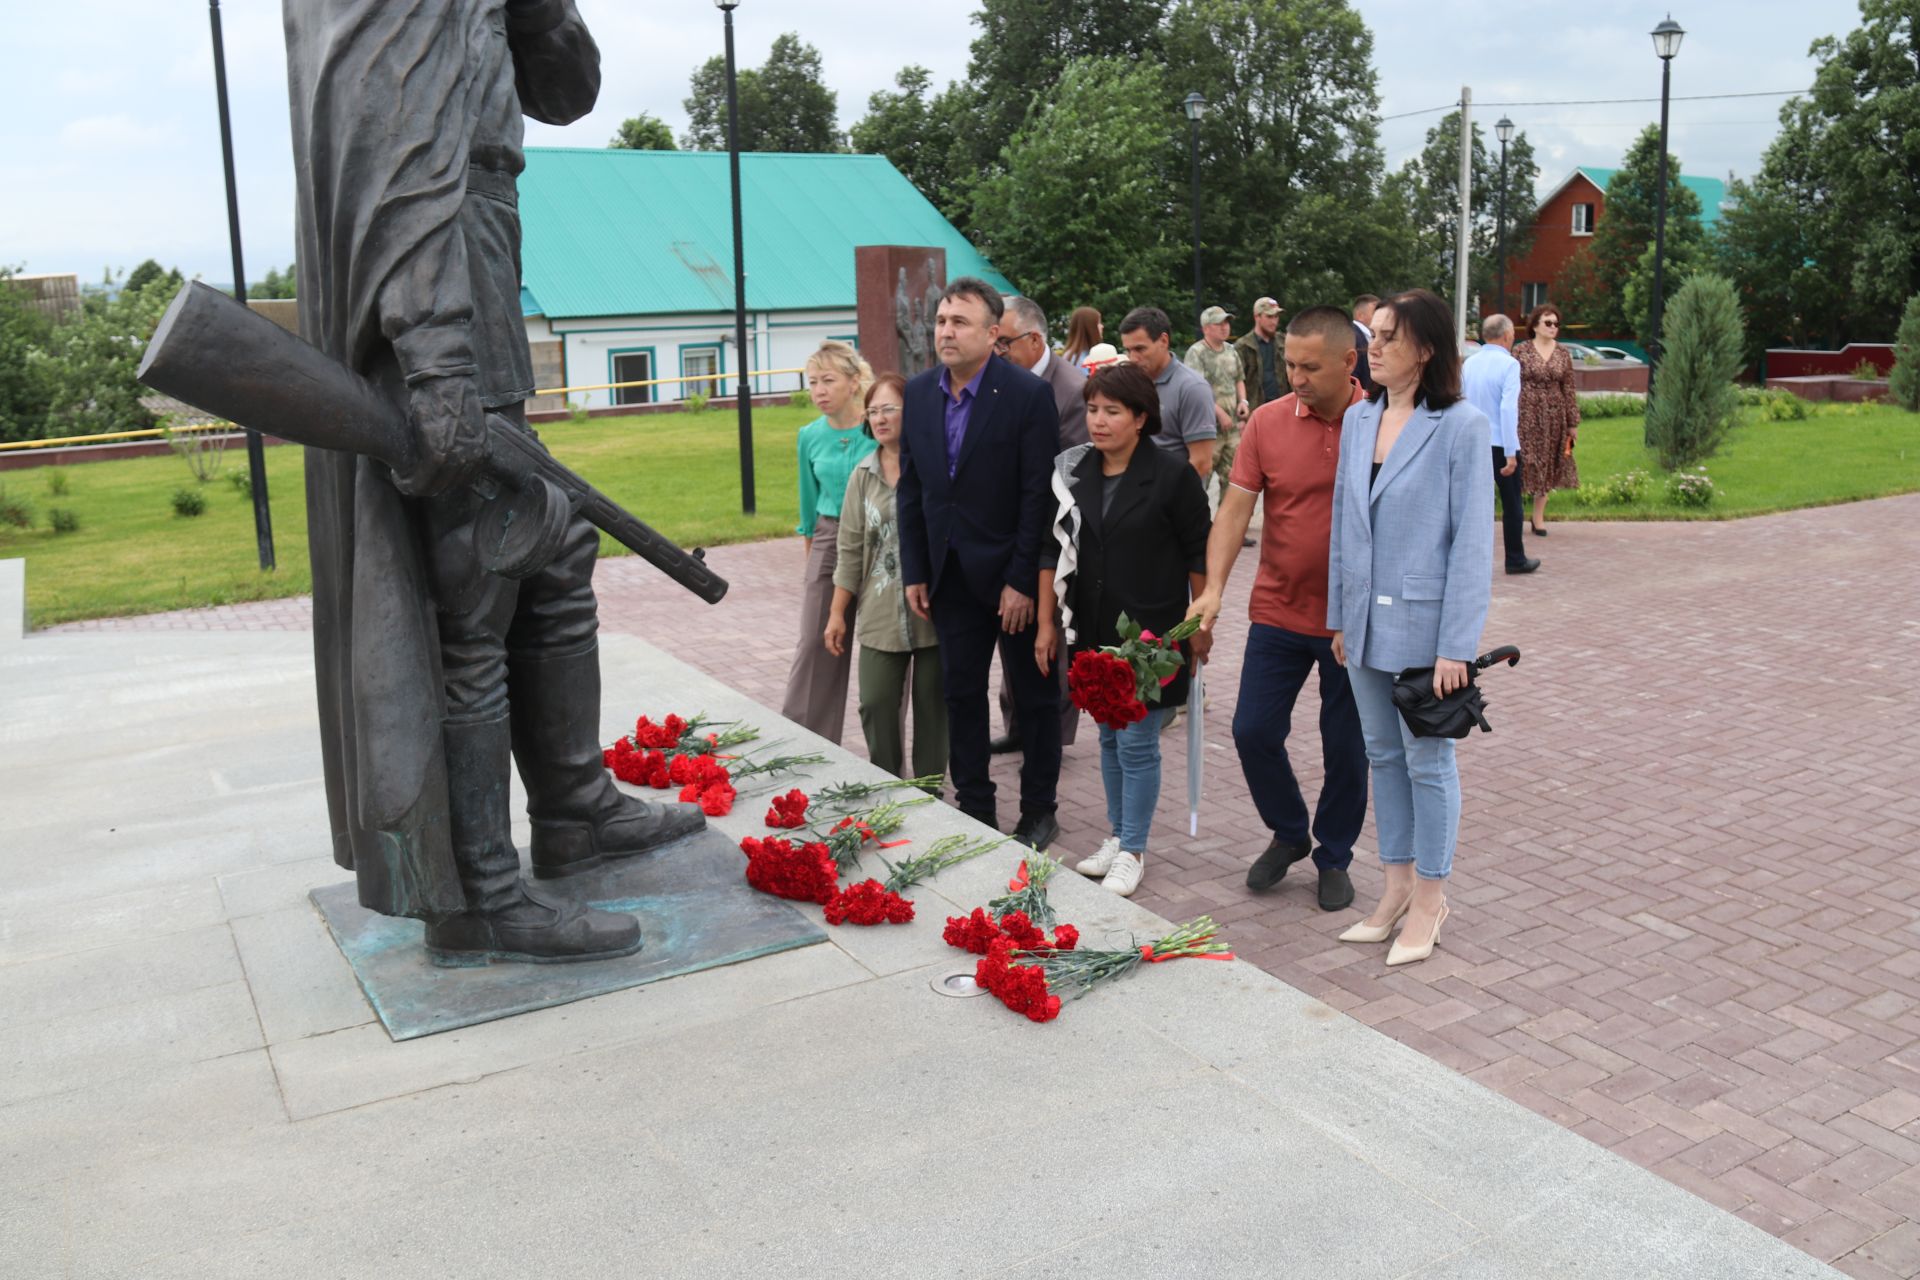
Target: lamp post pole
[(256, 453), (743, 381), (1504, 129), (1666, 43), (1196, 106)]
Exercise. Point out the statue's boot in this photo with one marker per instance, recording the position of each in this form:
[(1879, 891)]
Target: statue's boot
[(580, 819), (507, 918)]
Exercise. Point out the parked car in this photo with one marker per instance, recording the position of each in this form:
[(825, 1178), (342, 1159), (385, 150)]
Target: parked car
[(1583, 352)]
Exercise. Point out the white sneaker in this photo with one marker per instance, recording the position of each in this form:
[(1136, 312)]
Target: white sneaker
[(1125, 875), (1102, 859)]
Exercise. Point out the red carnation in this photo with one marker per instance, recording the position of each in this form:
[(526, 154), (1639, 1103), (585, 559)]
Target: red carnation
[(868, 902), (802, 873), (788, 811), (1102, 685)]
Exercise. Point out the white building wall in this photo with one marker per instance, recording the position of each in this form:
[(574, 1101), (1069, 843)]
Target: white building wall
[(780, 341)]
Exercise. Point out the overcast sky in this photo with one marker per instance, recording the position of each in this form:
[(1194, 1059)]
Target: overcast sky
[(111, 150)]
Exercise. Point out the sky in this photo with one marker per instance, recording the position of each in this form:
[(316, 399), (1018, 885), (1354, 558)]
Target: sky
[(110, 150)]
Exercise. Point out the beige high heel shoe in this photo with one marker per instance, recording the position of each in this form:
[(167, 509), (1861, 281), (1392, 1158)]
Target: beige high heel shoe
[(1364, 932), (1397, 954)]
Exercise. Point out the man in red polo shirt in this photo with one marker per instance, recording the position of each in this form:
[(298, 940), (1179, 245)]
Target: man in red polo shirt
[(1286, 458)]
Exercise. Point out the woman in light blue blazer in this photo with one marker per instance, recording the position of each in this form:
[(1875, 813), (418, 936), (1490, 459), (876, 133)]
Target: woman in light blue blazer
[(1408, 578)]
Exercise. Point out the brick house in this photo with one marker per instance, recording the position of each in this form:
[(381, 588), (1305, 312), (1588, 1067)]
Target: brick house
[(1565, 221)]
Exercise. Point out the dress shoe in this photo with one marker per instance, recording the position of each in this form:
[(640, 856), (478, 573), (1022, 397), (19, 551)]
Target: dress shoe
[(1525, 566), (1364, 932), (1248, 542), (1004, 745), (1538, 532), (1400, 954), (532, 928), (1101, 860), (1336, 889), (1124, 877), (1270, 868), (1036, 830)]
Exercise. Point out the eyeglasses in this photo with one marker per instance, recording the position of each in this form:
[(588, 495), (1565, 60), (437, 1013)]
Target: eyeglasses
[(1549, 323), (883, 411), (1001, 344)]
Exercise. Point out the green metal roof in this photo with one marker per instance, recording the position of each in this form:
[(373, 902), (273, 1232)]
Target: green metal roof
[(1712, 191), (612, 232)]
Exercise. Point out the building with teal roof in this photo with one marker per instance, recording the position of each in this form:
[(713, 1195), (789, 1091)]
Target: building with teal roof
[(1712, 191), (627, 262)]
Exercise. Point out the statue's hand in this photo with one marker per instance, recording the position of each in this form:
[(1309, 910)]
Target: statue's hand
[(450, 434)]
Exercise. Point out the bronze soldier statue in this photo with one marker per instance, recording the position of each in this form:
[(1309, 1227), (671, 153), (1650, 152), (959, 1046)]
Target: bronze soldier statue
[(432, 670)]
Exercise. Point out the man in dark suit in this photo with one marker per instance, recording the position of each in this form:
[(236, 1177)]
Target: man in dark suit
[(975, 499), (1023, 341)]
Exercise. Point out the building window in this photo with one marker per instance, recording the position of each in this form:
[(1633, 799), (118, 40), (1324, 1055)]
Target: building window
[(633, 366), (1583, 219), (698, 365), (1531, 296)]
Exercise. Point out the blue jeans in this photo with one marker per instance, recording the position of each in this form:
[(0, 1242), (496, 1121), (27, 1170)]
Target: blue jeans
[(1416, 787), (1130, 768), (1275, 668)]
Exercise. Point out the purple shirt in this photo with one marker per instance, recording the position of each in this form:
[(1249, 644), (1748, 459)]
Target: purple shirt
[(959, 413)]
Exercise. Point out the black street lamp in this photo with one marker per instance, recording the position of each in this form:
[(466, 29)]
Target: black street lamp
[(743, 381), (1504, 130), (1666, 43), (256, 453), (1196, 106)]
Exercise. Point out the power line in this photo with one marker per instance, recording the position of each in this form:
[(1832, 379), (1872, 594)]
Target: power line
[(1599, 102)]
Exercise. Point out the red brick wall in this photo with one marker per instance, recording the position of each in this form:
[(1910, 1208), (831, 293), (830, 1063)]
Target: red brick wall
[(1553, 243)]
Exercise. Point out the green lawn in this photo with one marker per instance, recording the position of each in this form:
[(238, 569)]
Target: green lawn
[(680, 473)]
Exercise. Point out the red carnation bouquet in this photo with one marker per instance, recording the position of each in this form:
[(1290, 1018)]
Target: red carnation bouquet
[(681, 753), (1027, 891), (801, 872), (1030, 981), (1020, 915), (1114, 684), (871, 902)]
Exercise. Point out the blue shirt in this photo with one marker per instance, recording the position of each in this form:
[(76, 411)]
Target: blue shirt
[(959, 412), (1490, 381)]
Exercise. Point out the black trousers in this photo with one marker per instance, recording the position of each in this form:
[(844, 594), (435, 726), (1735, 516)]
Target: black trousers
[(969, 631), (1512, 509)]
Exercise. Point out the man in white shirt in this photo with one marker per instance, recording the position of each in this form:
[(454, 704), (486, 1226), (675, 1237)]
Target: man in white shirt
[(1490, 380)]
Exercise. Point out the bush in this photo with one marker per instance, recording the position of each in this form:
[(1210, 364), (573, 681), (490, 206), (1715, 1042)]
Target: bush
[(188, 502), (800, 399), (63, 520), (577, 413), (694, 403), (1694, 399), (1611, 406), (57, 482), (1626, 489), (1786, 407), (1690, 488), (15, 511), (1903, 384), (1866, 371), (242, 484)]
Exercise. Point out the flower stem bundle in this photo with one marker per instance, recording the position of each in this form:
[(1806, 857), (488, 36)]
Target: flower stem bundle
[(1027, 891), (847, 836), (1031, 983), (848, 795), (945, 852)]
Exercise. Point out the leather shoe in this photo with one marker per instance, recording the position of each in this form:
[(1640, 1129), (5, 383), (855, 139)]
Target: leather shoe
[(1336, 889), (1270, 868), (532, 928), (1525, 566), (1004, 745), (1036, 830)]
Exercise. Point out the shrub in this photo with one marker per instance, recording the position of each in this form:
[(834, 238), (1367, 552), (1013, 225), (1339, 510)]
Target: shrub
[(204, 452), (1624, 489), (63, 520), (694, 403), (1694, 400), (1903, 384), (1587, 495), (57, 482), (800, 399), (577, 413), (1785, 406), (1866, 371), (1611, 406), (1690, 488), (242, 484), (15, 511), (188, 502)]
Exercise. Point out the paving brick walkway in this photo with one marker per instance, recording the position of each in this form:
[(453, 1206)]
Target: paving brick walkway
[(1687, 898)]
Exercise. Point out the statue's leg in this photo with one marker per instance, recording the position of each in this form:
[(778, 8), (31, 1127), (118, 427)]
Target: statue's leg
[(580, 819), (506, 918)]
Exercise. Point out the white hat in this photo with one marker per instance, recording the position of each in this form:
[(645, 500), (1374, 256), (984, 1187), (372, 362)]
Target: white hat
[(1099, 355)]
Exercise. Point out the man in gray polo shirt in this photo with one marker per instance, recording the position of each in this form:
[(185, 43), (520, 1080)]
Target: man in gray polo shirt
[(1186, 401)]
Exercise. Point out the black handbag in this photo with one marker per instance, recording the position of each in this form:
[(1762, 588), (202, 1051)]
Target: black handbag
[(1455, 715)]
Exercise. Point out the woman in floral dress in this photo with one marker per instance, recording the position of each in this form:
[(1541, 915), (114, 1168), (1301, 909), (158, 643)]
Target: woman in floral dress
[(1549, 413)]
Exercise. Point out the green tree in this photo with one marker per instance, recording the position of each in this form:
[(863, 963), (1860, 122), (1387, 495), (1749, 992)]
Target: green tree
[(1903, 384), (1778, 242), (1081, 213), (25, 388), (785, 105), (1429, 186), (645, 132), (145, 274), (926, 139), (1610, 291), (92, 358), (1694, 397), (277, 284)]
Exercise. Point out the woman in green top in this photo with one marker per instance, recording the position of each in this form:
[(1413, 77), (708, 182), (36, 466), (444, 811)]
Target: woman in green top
[(830, 447), (894, 642)]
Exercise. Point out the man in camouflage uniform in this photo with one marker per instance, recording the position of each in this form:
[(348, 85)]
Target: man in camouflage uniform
[(1219, 364)]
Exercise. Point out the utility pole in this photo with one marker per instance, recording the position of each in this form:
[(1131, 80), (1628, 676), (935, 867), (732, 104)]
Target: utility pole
[(1466, 219)]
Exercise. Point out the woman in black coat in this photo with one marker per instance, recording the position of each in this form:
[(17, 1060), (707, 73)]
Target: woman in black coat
[(1130, 537)]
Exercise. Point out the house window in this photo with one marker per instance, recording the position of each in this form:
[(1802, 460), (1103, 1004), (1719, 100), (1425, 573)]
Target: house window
[(697, 367), (1583, 219), (633, 366), (1532, 295)]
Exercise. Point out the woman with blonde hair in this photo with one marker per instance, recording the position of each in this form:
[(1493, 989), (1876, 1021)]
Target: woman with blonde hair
[(1084, 331), (830, 447)]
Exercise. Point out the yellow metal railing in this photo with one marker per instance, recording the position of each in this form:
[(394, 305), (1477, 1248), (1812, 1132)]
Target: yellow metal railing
[(156, 433)]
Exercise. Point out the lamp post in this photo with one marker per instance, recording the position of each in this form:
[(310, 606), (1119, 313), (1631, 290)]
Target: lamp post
[(1666, 43), (1195, 107), (1504, 130), (743, 380), (256, 453)]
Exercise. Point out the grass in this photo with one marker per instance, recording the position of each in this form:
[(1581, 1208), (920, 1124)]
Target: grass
[(680, 473), (131, 554)]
